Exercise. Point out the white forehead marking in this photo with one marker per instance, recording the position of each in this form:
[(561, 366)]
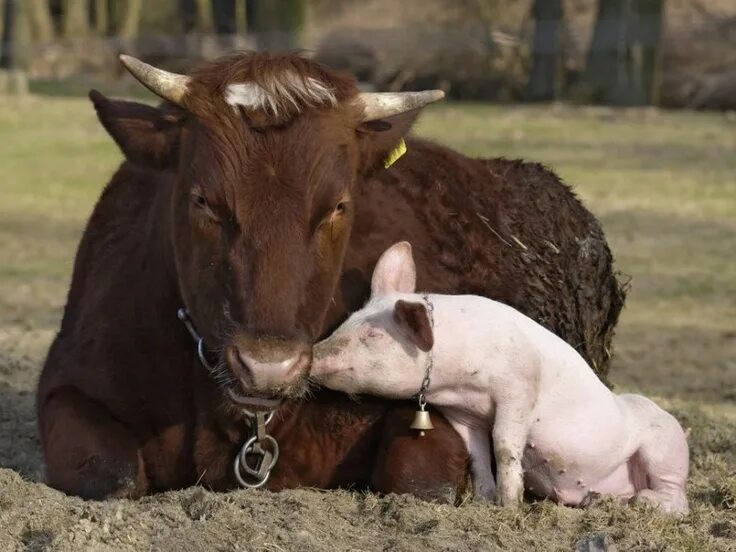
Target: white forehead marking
[(285, 91)]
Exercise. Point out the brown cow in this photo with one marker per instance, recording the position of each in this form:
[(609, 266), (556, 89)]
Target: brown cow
[(256, 197)]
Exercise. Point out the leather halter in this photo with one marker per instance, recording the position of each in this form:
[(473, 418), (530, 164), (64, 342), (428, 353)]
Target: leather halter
[(257, 457)]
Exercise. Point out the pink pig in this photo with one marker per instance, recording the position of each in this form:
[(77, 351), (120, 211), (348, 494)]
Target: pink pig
[(557, 430)]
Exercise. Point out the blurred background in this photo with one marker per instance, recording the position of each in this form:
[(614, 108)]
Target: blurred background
[(671, 53)]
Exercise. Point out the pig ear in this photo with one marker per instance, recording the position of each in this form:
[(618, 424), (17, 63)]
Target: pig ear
[(414, 320), (395, 271)]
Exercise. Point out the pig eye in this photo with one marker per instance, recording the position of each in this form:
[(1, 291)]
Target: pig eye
[(373, 333)]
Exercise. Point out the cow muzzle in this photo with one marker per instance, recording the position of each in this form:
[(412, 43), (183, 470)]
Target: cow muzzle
[(267, 372)]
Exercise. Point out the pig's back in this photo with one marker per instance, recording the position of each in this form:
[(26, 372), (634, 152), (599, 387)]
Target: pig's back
[(564, 374), (506, 342)]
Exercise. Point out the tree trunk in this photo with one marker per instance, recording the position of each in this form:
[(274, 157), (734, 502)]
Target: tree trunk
[(131, 19), (188, 15), (101, 17), (40, 17), (14, 43), (277, 24), (623, 66), (223, 12), (599, 76), (204, 15), (2, 27), (75, 22), (241, 18), (4, 18), (543, 81), (649, 35), (15, 36)]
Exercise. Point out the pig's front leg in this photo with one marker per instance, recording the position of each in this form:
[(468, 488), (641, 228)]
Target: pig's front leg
[(510, 431), (476, 439)]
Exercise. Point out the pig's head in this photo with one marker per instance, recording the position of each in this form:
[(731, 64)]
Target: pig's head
[(381, 349)]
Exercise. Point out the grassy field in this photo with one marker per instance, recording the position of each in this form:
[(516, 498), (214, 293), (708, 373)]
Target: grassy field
[(664, 187)]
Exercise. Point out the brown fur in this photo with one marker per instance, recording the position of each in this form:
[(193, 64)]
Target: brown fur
[(267, 230)]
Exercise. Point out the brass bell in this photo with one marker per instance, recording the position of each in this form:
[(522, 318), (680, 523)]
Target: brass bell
[(421, 421)]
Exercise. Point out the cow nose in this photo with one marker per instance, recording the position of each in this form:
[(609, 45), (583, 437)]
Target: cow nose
[(269, 375)]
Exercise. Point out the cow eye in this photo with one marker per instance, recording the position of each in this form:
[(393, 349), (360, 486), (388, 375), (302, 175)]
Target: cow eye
[(341, 207), (200, 203), (199, 200)]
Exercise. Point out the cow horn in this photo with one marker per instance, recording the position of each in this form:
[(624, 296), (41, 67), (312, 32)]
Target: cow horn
[(169, 86), (386, 104)]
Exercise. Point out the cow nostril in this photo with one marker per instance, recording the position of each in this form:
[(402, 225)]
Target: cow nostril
[(237, 362), (271, 374)]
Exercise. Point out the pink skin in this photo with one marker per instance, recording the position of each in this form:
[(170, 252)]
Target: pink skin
[(557, 430)]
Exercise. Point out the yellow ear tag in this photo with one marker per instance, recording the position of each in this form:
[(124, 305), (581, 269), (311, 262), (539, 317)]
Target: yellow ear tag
[(397, 152)]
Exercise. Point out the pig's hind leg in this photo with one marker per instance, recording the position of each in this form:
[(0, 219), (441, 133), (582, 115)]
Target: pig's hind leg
[(663, 455)]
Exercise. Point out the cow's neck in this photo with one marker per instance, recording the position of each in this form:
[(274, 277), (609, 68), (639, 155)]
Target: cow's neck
[(150, 283)]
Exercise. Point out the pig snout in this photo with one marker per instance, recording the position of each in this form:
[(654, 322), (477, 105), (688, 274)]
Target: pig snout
[(327, 359)]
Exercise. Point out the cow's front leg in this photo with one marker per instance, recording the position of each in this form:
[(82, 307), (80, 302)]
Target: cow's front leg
[(431, 467), (87, 451)]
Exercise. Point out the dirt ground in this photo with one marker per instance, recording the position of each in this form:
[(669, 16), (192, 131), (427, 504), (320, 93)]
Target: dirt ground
[(663, 185)]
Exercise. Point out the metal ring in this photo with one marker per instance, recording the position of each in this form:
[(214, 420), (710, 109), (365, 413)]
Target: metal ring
[(243, 482), (240, 464), (200, 352), (246, 449)]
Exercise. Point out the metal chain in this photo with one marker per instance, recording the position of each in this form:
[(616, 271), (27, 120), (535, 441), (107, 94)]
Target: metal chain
[(261, 448), (260, 452), (430, 361)]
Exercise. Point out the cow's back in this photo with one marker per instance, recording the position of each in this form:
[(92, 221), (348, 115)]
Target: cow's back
[(505, 229)]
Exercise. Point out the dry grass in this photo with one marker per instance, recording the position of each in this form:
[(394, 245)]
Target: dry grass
[(663, 185)]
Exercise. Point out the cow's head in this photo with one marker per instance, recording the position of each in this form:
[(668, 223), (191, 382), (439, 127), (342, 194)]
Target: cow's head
[(267, 151)]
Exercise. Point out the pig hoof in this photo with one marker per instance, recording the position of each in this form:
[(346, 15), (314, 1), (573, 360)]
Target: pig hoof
[(590, 499), (481, 499), (669, 504), (510, 502), (485, 497)]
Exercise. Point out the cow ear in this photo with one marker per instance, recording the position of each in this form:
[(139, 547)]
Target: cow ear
[(379, 138), (395, 271), (146, 135), (413, 319)]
